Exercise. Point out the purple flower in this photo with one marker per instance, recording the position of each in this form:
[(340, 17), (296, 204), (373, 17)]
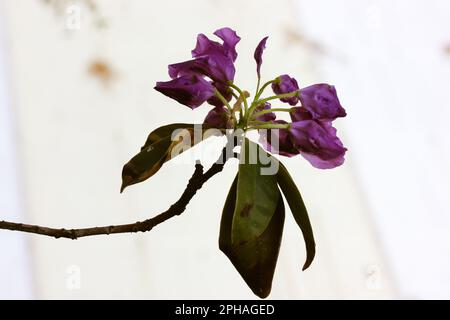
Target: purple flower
[(278, 140), (322, 102), (317, 142), (213, 60), (191, 91), (286, 84), (265, 117), (258, 55), (219, 117)]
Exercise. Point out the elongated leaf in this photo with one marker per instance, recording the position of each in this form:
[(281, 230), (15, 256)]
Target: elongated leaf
[(295, 201), (256, 259), (257, 195), (160, 148)]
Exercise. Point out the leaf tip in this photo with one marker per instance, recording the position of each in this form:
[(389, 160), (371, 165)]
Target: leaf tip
[(126, 181), (309, 257)]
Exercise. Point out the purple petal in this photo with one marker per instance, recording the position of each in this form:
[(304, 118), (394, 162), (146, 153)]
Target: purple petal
[(322, 102), (188, 68), (258, 55), (318, 143), (278, 141), (265, 117), (299, 114), (206, 46), (219, 117), (216, 67), (286, 84), (230, 39), (191, 91)]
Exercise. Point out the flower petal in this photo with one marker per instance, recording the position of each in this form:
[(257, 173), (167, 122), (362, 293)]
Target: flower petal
[(299, 114), (278, 140), (322, 102), (318, 143), (258, 55), (230, 40), (191, 91), (286, 84), (265, 117)]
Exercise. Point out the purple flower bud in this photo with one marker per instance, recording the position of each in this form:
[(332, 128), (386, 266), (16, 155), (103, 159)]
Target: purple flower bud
[(258, 55), (318, 143), (219, 117), (278, 140), (322, 102), (286, 84), (265, 117), (191, 91)]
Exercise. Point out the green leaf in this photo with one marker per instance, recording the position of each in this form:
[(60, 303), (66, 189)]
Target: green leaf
[(257, 195), (295, 201), (160, 148), (256, 259)]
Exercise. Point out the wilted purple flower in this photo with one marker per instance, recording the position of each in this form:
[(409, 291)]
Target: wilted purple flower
[(258, 55), (286, 84), (317, 142), (191, 91), (322, 102), (265, 117), (219, 117), (278, 140)]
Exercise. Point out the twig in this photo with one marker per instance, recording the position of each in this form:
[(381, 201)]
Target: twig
[(195, 183)]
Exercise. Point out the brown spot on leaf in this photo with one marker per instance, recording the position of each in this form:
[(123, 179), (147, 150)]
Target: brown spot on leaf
[(245, 212)]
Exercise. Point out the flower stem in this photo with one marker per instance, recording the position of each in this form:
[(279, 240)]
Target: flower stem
[(263, 112), (257, 86), (260, 91), (280, 96), (258, 94), (272, 126)]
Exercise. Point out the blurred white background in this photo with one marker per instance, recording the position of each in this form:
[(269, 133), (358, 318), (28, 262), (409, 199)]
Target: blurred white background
[(76, 102)]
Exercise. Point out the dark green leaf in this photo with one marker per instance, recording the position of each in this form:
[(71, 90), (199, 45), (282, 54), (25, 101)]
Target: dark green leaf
[(257, 195), (164, 132), (295, 201), (256, 259), (160, 148)]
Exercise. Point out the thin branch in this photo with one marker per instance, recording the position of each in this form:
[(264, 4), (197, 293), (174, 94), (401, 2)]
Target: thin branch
[(195, 183)]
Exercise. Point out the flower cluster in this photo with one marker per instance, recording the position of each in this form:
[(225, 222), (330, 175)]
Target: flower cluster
[(209, 78)]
